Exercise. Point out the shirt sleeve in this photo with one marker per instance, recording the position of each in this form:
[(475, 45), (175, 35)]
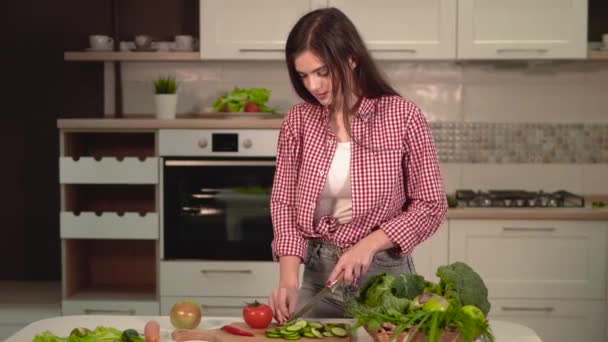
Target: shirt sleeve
[(287, 239), (426, 202)]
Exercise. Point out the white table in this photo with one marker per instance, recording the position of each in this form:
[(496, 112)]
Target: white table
[(63, 325)]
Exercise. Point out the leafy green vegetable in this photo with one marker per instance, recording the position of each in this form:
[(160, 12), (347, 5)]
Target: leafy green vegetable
[(411, 303), (237, 99), (460, 282), (408, 286), (99, 334)]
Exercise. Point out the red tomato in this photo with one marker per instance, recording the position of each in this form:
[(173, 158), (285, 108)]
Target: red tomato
[(257, 315)]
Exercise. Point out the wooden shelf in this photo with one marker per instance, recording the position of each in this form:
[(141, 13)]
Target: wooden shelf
[(127, 56), (194, 56)]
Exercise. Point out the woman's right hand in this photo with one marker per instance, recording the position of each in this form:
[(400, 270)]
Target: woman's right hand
[(283, 302)]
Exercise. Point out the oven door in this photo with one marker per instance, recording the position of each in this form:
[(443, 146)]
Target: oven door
[(217, 208)]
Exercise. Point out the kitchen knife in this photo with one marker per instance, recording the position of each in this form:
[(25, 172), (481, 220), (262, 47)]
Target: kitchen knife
[(316, 298)]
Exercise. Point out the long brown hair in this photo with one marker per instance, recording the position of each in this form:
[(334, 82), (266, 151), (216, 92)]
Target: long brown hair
[(330, 35)]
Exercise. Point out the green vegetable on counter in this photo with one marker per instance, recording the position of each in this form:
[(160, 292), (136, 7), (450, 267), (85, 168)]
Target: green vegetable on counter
[(99, 334), (459, 301), (302, 328), (244, 100)]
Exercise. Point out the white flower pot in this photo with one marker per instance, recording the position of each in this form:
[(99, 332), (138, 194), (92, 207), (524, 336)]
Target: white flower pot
[(166, 106)]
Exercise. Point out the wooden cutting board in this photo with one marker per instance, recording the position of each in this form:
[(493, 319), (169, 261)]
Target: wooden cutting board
[(219, 335)]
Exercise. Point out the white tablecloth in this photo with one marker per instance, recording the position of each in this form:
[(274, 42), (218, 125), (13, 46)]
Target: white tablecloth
[(63, 325)]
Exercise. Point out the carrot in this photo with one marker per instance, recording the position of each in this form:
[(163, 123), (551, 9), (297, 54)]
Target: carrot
[(152, 331)]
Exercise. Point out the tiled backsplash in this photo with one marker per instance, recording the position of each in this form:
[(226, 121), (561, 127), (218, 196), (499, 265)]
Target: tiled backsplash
[(550, 112), (465, 142)]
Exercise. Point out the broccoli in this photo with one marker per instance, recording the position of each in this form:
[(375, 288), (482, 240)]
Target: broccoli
[(460, 282)]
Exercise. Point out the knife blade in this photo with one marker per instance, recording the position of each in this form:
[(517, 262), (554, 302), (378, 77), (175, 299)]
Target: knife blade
[(317, 298)]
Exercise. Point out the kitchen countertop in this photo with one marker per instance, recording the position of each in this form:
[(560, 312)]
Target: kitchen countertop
[(243, 120), (62, 326), (579, 214)]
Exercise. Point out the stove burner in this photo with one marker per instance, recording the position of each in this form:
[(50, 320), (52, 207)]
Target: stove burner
[(518, 199)]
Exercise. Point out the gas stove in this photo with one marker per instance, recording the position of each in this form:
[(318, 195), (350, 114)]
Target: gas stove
[(518, 199)]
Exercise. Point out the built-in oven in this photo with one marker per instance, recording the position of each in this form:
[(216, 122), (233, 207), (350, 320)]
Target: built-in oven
[(216, 193)]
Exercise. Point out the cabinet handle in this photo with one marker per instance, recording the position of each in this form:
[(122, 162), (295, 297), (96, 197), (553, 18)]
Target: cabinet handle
[(222, 306), (227, 271), (528, 229), (129, 312), (522, 50), (394, 50), (528, 309), (263, 50)]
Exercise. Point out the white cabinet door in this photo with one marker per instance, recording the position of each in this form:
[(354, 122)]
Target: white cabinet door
[(555, 320), (534, 259), (432, 253), (522, 29), (404, 29), (245, 29)]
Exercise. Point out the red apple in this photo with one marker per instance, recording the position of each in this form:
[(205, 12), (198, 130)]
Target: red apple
[(252, 107)]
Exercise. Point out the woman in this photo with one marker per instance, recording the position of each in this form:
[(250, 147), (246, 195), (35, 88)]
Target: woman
[(357, 184)]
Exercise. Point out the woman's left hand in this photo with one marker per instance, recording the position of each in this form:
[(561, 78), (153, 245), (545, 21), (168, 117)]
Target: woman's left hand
[(355, 262), (357, 259)]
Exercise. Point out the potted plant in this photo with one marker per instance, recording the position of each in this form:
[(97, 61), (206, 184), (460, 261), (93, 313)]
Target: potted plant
[(166, 97)]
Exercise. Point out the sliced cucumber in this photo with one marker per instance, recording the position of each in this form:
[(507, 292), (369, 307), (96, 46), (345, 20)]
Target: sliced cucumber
[(302, 323), (317, 333), (339, 332), (294, 327), (316, 325), (328, 334), (291, 338), (309, 335), (272, 335)]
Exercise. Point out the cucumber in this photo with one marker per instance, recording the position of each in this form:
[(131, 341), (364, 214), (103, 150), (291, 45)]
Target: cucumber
[(301, 323), (327, 334), (338, 332), (294, 328), (291, 338), (309, 335), (272, 335), (316, 325), (317, 333)]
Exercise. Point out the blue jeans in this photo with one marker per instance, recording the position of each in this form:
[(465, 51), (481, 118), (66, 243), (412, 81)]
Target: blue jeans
[(321, 259)]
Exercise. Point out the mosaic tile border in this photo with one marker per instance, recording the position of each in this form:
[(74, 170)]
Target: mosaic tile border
[(464, 142)]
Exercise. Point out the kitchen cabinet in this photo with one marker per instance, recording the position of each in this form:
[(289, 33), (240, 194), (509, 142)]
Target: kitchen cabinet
[(242, 29), (406, 30), (432, 253), (397, 29), (534, 259), (555, 320), (548, 275), (109, 223), (495, 29)]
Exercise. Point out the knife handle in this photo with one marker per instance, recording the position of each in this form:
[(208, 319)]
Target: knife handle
[(339, 279)]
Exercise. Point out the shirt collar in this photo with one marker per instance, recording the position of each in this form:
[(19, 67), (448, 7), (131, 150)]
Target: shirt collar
[(366, 108)]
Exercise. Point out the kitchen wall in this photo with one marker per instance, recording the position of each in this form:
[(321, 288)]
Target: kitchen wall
[(527, 125)]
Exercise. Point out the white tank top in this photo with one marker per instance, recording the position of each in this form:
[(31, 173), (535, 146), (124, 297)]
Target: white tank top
[(336, 197)]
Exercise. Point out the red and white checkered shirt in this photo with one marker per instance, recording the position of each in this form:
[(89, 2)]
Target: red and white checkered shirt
[(395, 178)]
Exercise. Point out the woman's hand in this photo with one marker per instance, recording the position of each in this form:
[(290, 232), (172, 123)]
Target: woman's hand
[(355, 262), (357, 259), (283, 302)]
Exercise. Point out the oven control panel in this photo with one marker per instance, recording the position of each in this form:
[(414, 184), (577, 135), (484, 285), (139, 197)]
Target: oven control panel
[(218, 142)]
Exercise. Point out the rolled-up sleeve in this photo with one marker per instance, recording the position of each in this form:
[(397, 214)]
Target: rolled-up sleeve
[(287, 239), (426, 203)]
